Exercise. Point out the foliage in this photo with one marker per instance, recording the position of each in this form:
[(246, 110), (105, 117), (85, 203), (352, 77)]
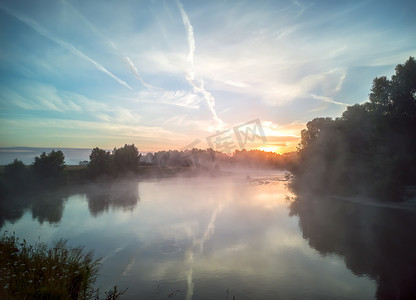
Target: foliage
[(46, 168), (211, 159), (49, 165), (370, 149), (16, 175), (100, 162), (121, 161), (42, 272), (126, 159)]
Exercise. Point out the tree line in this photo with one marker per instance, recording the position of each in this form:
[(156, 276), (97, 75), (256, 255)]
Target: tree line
[(49, 169), (370, 149), (209, 158)]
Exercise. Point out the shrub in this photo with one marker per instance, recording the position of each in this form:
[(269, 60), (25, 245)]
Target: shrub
[(45, 272)]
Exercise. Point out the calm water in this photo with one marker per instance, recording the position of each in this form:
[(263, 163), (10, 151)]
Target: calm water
[(205, 238)]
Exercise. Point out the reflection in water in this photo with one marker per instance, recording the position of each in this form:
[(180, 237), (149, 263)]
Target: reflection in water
[(48, 205), (379, 242), (45, 206), (201, 236), (199, 244), (121, 194)]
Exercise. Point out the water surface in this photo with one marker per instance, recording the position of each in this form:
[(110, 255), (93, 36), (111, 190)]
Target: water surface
[(199, 238)]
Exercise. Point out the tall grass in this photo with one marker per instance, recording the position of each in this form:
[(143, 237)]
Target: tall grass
[(40, 271)]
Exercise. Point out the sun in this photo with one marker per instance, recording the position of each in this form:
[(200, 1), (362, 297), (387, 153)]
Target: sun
[(269, 149)]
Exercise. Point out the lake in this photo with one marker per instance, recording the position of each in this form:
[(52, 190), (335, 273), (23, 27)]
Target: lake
[(215, 238)]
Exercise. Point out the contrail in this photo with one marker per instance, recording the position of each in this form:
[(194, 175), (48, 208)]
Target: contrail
[(135, 72), (190, 74), (124, 58), (189, 33), (327, 99), (39, 29)]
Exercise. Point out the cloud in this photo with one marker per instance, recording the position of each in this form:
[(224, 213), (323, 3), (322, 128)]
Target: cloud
[(189, 35), (198, 85), (273, 130), (39, 29), (302, 8), (36, 96), (328, 99), (127, 60), (180, 98), (135, 72), (236, 83), (74, 133), (209, 65)]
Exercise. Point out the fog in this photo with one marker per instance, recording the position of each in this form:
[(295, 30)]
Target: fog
[(205, 236)]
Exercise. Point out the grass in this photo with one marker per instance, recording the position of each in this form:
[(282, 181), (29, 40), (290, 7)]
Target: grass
[(40, 271)]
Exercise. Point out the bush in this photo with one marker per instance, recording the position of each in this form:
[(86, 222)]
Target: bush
[(43, 272), (47, 272)]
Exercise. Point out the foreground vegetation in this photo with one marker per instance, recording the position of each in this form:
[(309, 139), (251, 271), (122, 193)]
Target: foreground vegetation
[(369, 150), (47, 272)]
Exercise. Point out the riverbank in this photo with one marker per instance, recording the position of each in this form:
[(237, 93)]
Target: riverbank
[(409, 204)]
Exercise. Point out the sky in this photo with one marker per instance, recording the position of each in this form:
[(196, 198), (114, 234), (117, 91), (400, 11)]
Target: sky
[(181, 74)]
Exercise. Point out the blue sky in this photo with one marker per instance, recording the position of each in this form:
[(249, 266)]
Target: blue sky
[(162, 74)]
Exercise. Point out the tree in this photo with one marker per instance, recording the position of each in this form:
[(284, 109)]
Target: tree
[(315, 129), (100, 162), (16, 171), (371, 148), (16, 175), (126, 159), (49, 166)]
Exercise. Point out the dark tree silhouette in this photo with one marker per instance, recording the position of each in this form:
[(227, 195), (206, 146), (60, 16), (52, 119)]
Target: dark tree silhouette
[(100, 162), (370, 149), (121, 161), (49, 166), (126, 159), (16, 172)]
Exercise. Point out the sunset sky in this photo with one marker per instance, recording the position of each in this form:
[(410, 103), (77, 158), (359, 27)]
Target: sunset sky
[(169, 74)]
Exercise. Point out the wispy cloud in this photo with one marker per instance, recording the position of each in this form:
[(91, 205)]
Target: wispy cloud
[(73, 133), (328, 99), (135, 72), (183, 72), (189, 35), (41, 97), (179, 98), (42, 31), (127, 60), (198, 85)]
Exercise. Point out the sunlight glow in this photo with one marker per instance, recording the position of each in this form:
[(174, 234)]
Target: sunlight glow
[(268, 148)]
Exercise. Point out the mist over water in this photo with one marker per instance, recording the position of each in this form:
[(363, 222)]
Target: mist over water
[(199, 238)]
